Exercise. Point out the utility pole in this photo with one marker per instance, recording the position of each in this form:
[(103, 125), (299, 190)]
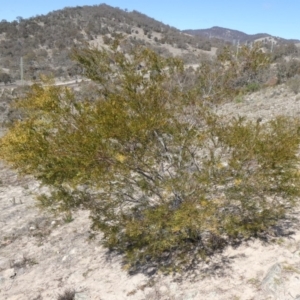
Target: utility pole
[(272, 45), (21, 70), (237, 48)]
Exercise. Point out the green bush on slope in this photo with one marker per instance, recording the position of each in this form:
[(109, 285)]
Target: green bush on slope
[(167, 181)]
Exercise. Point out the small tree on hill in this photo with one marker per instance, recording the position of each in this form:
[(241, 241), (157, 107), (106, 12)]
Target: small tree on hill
[(167, 181), (4, 77)]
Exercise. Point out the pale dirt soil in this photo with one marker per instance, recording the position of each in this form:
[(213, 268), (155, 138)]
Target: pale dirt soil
[(41, 255)]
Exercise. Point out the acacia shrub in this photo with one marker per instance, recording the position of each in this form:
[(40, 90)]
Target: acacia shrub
[(232, 73), (166, 180)]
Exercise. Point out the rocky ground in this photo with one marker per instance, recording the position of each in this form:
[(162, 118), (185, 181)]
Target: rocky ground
[(266, 104), (43, 256)]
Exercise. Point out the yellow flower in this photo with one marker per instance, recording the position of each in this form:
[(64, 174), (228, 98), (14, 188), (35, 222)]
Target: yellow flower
[(120, 158), (238, 181)]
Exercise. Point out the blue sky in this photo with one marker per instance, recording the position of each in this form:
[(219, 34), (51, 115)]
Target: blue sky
[(276, 17)]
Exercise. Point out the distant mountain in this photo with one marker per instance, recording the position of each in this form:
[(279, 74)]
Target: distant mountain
[(232, 36)]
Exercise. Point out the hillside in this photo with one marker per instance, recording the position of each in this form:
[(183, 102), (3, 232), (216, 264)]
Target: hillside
[(234, 36), (45, 42)]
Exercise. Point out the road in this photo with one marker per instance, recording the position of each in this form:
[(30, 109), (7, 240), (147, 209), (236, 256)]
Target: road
[(58, 83)]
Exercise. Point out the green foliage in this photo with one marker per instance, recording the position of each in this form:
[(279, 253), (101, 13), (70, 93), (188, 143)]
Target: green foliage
[(167, 181), (252, 87), (4, 77), (288, 69), (68, 294), (282, 50), (232, 73)]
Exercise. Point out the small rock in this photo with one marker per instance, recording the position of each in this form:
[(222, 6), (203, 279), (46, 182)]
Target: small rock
[(73, 251), (9, 273), (65, 258), (151, 271), (272, 283), (272, 81), (163, 289), (173, 287), (81, 296), (4, 263), (191, 295)]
